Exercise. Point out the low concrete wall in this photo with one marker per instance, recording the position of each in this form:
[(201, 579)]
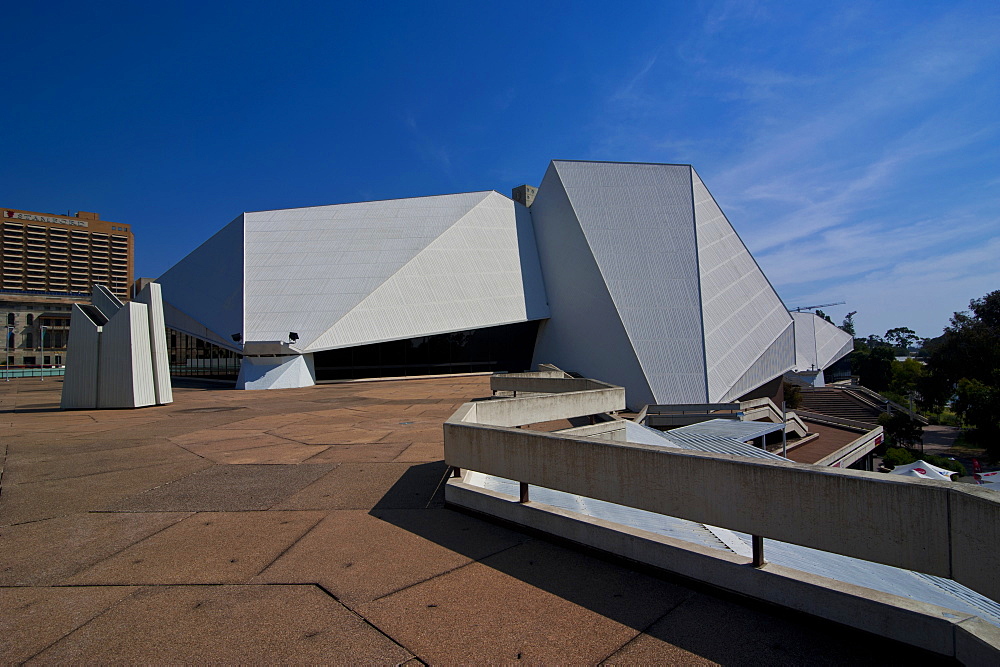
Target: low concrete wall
[(925, 532), (543, 382), (612, 430), (854, 450), (549, 407)]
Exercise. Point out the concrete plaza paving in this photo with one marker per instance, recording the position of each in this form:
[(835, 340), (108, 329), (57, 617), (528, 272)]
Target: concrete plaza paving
[(308, 526)]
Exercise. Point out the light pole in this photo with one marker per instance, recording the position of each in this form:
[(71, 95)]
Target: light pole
[(6, 344), (41, 339)]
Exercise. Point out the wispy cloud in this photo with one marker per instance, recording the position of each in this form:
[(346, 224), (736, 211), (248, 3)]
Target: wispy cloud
[(429, 150)]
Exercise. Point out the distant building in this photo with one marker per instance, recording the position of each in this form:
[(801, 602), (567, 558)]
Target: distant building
[(50, 262)]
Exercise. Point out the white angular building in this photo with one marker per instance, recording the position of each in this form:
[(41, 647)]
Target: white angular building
[(622, 271), (818, 345)]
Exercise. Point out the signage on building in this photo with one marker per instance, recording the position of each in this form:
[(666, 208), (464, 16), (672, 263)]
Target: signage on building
[(8, 214)]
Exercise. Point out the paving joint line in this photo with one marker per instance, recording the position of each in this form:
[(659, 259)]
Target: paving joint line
[(370, 624), (294, 542), (472, 561), (85, 623), (645, 630)]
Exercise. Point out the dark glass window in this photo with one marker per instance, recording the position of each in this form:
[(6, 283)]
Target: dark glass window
[(31, 319), (193, 357), (503, 348)]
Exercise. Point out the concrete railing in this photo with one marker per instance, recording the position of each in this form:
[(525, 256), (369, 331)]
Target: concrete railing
[(760, 409), (835, 421), (542, 382), (683, 414), (854, 450), (569, 398), (877, 400), (938, 528)]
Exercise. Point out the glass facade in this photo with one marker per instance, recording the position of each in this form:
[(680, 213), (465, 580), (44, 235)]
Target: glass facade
[(503, 348), (190, 356)]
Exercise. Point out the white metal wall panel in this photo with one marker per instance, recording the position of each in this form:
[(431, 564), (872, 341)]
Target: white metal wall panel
[(818, 343), (805, 341), (585, 332), (471, 276), (771, 363), (207, 285), (105, 300), (79, 389), (832, 342), (638, 220), (126, 374), (277, 372), (744, 317), (307, 268), (160, 359)]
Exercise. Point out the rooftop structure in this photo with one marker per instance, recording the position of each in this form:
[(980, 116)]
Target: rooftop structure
[(624, 271)]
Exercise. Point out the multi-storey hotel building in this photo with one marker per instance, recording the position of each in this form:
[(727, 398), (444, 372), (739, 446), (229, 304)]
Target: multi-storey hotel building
[(50, 262)]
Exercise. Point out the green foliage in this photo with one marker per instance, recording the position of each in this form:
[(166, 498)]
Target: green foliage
[(979, 404), (901, 338), (793, 395), (824, 316), (900, 429), (848, 323), (898, 456), (944, 417), (966, 360), (872, 360), (906, 375)]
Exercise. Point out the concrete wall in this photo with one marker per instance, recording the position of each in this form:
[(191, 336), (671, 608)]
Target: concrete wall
[(286, 372), (927, 531), (549, 407)]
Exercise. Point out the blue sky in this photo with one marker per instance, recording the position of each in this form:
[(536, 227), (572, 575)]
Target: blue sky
[(854, 146)]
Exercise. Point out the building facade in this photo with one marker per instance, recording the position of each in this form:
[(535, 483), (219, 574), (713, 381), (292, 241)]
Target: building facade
[(627, 272), (50, 262)]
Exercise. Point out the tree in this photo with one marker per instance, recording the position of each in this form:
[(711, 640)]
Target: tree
[(824, 316), (872, 360), (966, 360), (848, 323), (900, 429), (979, 403), (901, 338)]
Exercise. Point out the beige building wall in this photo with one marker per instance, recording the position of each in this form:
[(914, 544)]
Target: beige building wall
[(47, 263)]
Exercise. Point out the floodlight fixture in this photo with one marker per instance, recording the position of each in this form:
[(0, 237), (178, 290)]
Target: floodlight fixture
[(292, 336), (237, 337)]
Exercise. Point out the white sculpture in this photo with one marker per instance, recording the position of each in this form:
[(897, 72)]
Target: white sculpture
[(117, 353)]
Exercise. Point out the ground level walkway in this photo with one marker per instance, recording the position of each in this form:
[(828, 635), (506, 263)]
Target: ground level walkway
[(307, 525)]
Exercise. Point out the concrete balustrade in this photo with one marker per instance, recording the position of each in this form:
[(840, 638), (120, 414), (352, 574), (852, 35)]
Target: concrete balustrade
[(908, 520), (937, 528), (544, 382), (550, 407)]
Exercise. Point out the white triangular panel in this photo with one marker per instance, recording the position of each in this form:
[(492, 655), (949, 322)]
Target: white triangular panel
[(585, 333), (306, 268), (207, 285), (469, 277), (639, 223), (743, 315), (818, 343)]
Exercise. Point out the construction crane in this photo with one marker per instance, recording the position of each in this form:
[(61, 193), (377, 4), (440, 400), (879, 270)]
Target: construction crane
[(821, 305)]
